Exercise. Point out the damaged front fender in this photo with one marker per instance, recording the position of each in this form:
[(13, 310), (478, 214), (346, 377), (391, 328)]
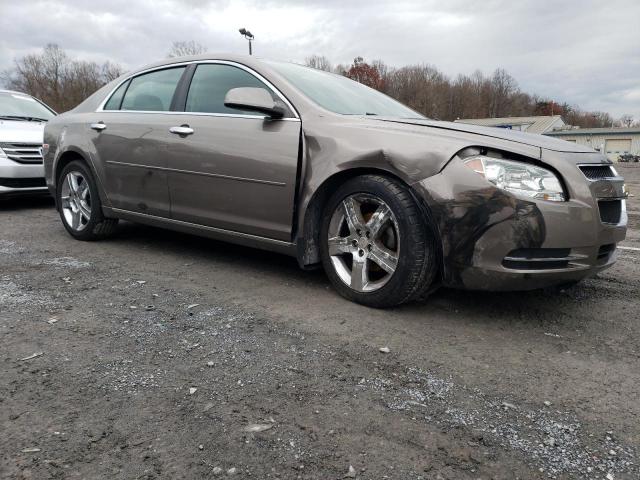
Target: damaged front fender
[(472, 216)]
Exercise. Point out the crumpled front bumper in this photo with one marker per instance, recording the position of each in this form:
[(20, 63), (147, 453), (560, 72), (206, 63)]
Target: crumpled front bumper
[(492, 240)]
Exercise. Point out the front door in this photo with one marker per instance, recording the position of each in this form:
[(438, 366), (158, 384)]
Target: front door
[(234, 170)]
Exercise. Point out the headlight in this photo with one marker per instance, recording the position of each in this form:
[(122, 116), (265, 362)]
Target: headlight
[(2, 154), (518, 178)]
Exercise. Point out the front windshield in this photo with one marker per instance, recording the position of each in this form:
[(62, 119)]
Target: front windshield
[(340, 94), (22, 107)]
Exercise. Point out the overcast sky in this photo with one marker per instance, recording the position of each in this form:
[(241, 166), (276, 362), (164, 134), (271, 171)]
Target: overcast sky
[(584, 52)]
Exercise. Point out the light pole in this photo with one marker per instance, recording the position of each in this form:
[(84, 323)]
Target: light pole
[(248, 35)]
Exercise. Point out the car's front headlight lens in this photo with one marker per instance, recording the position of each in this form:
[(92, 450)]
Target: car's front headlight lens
[(519, 178), (2, 154)]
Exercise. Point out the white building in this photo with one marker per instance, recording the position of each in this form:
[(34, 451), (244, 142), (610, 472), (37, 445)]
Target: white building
[(611, 141), (539, 124)]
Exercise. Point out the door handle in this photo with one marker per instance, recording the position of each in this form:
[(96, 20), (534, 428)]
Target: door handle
[(98, 126), (182, 130)]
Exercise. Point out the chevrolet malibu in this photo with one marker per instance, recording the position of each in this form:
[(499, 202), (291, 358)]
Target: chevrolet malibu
[(310, 164)]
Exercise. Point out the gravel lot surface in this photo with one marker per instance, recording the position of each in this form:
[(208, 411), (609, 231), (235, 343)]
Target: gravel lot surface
[(161, 355)]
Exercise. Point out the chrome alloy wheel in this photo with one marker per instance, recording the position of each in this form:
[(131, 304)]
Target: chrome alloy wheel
[(75, 199), (364, 242)]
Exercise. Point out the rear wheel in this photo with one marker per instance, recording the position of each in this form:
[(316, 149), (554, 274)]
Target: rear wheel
[(376, 245), (79, 204)]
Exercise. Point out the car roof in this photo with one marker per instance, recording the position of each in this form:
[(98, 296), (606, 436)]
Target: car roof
[(249, 60), (2, 90), (258, 64)]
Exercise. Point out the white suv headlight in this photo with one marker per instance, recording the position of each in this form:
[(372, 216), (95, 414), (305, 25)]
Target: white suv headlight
[(519, 178), (2, 154)]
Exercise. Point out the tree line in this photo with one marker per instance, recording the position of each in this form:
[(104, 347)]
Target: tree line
[(58, 80), (429, 91), (63, 82)]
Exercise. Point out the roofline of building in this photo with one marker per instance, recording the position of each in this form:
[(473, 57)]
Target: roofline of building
[(594, 131), (507, 119)]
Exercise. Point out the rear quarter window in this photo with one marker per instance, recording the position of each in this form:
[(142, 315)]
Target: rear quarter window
[(116, 99)]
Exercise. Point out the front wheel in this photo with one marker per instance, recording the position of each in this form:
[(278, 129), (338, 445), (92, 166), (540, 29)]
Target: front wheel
[(376, 244), (79, 204)]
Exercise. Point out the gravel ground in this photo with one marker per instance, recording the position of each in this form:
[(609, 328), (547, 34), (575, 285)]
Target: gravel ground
[(161, 355)]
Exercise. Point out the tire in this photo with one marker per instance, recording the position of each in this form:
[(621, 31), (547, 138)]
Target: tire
[(397, 255), (81, 209)]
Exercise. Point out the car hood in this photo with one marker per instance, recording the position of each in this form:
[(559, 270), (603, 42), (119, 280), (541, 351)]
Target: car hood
[(12, 131), (535, 140)]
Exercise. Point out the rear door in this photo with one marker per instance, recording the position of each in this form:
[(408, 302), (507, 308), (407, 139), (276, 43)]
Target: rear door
[(132, 141), (236, 170)]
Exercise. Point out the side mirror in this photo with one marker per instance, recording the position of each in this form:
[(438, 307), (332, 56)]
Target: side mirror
[(255, 100)]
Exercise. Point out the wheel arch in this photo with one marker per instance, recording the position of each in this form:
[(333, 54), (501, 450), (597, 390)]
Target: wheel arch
[(308, 243), (70, 155)]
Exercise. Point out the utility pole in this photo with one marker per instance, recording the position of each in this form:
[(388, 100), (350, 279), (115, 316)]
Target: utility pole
[(249, 36)]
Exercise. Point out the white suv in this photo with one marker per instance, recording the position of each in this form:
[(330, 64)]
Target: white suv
[(22, 120)]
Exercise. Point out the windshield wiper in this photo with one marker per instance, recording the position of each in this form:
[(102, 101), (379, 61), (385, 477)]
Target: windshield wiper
[(18, 117)]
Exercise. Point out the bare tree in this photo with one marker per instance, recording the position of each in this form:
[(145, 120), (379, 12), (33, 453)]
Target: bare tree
[(421, 87), (184, 48), (341, 69), (319, 62), (380, 67), (502, 88), (111, 71), (56, 79), (626, 120)]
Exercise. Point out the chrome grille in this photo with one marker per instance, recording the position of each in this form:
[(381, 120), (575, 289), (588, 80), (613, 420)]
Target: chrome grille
[(29, 153), (597, 172)]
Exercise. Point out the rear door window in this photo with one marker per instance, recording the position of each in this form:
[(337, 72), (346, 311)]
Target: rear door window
[(210, 85), (153, 91)]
